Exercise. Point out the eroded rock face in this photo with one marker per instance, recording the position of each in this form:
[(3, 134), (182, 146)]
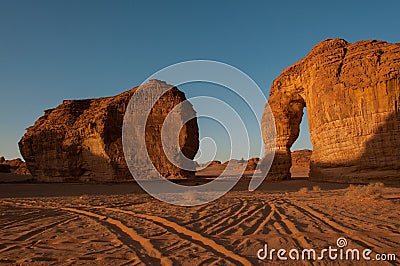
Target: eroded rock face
[(81, 140), (351, 92)]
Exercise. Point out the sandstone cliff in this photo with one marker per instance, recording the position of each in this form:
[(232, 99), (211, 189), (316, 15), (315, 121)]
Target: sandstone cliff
[(351, 91), (80, 140)]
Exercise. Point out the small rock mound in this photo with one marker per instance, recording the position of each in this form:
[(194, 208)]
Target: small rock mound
[(16, 166)]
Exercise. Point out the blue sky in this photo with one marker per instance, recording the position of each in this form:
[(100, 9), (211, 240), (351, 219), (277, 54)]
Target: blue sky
[(55, 50)]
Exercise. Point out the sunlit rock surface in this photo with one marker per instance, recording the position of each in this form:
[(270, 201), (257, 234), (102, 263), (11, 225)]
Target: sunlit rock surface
[(351, 92)]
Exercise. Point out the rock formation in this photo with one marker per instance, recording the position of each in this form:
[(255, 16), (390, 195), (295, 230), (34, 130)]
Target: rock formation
[(216, 168), (235, 161), (213, 163), (16, 166), (252, 164), (300, 163), (352, 96), (81, 140), (301, 158), (22, 170)]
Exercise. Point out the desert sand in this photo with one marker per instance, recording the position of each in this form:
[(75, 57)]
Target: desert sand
[(119, 224)]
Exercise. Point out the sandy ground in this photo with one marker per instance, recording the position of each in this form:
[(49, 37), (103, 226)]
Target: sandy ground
[(118, 224)]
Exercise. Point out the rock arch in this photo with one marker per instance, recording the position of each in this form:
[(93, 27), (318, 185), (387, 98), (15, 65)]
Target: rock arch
[(352, 96)]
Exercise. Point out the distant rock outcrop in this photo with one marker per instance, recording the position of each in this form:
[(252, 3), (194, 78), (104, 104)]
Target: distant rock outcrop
[(235, 161), (300, 163), (216, 168), (214, 163), (352, 94), (252, 164), (81, 140), (301, 158), (16, 166)]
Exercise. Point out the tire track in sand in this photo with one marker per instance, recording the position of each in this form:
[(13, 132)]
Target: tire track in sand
[(258, 227), (296, 234), (152, 252), (243, 217), (224, 219), (33, 233), (266, 220), (204, 217), (27, 221), (336, 226), (193, 235), (21, 219)]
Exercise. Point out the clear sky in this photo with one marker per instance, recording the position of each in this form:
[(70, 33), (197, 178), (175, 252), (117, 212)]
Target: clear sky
[(55, 50)]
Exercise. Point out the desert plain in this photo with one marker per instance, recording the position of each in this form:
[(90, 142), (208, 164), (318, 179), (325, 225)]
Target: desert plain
[(119, 224)]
